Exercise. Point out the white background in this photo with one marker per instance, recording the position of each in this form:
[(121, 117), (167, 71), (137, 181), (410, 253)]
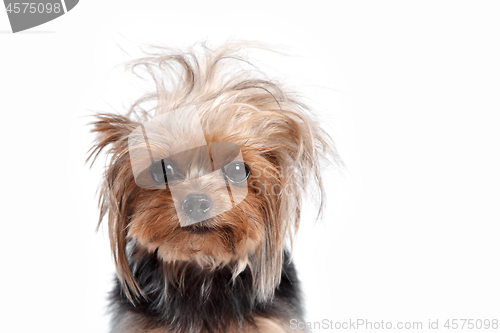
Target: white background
[(408, 90)]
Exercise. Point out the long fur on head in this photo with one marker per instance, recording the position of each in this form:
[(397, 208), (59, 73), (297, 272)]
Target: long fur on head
[(278, 138)]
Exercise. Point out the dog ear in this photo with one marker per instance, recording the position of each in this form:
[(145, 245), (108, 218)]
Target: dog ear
[(297, 148), (294, 145), (110, 129), (117, 190)]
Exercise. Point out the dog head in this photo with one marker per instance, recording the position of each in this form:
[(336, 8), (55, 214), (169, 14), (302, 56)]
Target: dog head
[(213, 175)]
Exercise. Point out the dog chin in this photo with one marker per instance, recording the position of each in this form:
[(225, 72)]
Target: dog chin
[(199, 229), (205, 249)]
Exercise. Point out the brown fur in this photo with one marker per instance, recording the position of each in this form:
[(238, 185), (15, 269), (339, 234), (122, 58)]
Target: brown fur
[(278, 139)]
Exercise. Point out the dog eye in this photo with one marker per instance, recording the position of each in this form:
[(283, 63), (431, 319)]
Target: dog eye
[(161, 171), (236, 172)]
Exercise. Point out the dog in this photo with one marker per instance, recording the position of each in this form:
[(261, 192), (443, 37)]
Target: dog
[(202, 189)]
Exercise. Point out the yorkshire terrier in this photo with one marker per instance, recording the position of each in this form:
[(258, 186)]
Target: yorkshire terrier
[(202, 189)]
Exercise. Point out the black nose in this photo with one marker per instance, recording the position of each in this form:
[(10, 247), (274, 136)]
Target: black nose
[(196, 206)]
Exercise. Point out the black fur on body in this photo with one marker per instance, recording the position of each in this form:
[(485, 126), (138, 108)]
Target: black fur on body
[(206, 301)]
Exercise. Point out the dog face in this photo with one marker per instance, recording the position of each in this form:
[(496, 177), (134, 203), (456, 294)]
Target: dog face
[(214, 175), (197, 194)]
